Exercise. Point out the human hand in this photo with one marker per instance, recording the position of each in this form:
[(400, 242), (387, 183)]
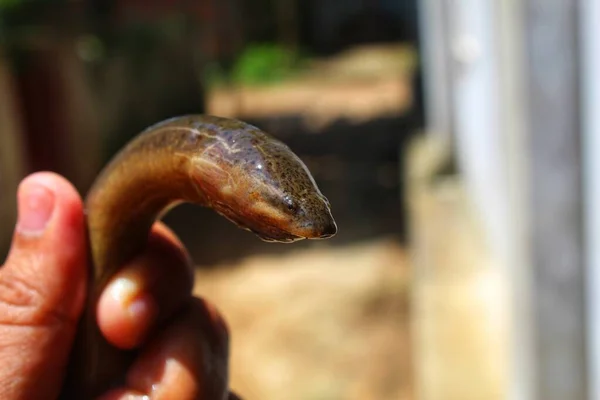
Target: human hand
[(182, 341)]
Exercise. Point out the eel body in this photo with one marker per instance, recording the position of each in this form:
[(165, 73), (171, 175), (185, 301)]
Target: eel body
[(249, 177)]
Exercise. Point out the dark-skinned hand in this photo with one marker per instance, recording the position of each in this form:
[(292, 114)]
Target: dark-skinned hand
[(183, 341)]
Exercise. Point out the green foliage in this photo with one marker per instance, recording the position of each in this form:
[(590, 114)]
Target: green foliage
[(259, 64), (263, 63), (9, 3)]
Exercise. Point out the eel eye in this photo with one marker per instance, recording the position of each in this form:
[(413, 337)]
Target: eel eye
[(291, 205)]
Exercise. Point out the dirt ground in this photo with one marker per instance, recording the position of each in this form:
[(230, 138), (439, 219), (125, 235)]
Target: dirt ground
[(361, 84), (324, 323)]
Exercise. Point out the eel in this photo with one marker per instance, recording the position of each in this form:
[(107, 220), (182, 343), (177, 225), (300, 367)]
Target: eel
[(241, 172)]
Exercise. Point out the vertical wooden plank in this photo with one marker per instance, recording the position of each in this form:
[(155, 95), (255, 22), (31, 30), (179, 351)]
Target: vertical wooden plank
[(11, 154), (555, 202), (435, 31), (590, 60), (459, 227), (516, 260), (539, 134)]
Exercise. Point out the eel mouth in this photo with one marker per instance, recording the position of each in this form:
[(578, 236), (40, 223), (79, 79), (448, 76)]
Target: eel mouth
[(275, 230), (277, 235), (309, 232)]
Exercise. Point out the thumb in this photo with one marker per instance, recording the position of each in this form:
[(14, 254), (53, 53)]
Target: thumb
[(42, 288)]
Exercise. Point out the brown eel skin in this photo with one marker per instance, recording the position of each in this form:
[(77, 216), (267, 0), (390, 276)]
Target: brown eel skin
[(249, 177)]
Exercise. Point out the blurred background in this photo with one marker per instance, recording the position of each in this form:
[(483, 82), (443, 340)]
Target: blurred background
[(455, 139)]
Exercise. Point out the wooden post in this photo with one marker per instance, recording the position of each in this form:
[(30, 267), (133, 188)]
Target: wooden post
[(12, 164), (517, 85), (555, 204)]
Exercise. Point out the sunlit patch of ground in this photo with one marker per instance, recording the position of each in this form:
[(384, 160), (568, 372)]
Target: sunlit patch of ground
[(358, 85), (328, 322), (324, 323)]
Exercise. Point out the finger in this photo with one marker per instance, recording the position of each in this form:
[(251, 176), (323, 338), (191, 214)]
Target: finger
[(147, 291), (124, 394), (42, 288), (188, 360)]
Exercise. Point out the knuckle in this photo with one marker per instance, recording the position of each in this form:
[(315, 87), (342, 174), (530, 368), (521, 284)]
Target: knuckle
[(23, 304)]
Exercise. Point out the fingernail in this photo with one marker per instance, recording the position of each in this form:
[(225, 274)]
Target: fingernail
[(36, 203), (129, 296), (139, 309), (138, 397), (142, 308), (124, 290)]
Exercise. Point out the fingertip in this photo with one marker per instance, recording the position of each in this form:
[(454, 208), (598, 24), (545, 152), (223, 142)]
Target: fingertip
[(126, 313), (218, 321), (36, 201), (160, 229), (48, 204), (163, 237), (123, 394), (49, 246), (188, 359), (68, 225), (64, 190), (145, 292), (43, 285)]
